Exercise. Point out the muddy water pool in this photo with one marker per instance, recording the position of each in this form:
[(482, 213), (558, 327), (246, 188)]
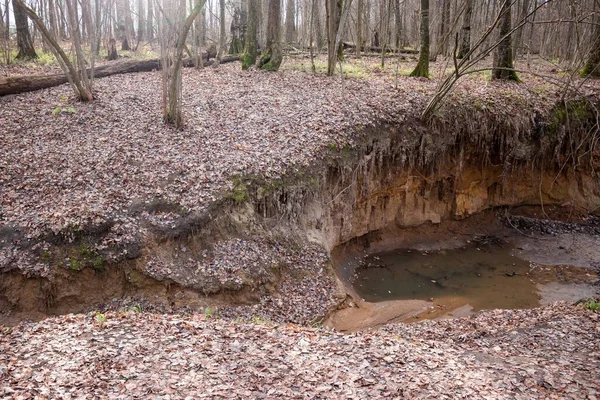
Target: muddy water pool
[(465, 280)]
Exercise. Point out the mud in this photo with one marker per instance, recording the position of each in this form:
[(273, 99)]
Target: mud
[(498, 266)]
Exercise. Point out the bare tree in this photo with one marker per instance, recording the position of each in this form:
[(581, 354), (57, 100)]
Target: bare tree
[(172, 57), (422, 68), (272, 56)]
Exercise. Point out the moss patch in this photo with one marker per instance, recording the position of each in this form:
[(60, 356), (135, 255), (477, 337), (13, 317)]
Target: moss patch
[(84, 256)]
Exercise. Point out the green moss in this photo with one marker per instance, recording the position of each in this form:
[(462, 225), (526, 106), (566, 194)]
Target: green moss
[(240, 192), (574, 111), (248, 61), (134, 277), (236, 46), (84, 256), (46, 256)]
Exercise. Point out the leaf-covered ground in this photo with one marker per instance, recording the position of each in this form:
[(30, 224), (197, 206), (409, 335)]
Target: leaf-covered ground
[(66, 165), (61, 169), (532, 354)]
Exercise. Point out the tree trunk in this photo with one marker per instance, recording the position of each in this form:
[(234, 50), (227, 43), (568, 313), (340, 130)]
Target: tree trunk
[(124, 24), (290, 21), (86, 14), (30, 83), (519, 31), (52, 15), (149, 22), (251, 47), (422, 68), (222, 34), (592, 65), (503, 56), (465, 43), (141, 22), (172, 113), (7, 24), (79, 87), (334, 11), (237, 29), (80, 78), (24, 40), (272, 56), (359, 27), (318, 26), (2, 26), (398, 22)]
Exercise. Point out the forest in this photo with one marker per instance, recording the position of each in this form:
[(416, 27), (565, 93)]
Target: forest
[(299, 199)]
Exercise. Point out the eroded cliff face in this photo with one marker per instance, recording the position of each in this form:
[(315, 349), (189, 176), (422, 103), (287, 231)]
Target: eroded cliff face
[(392, 177), (376, 186)]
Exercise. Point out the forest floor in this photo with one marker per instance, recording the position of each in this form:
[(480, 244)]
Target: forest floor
[(552, 352), (65, 164)]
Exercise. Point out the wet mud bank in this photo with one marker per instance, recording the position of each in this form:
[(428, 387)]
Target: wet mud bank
[(412, 185)]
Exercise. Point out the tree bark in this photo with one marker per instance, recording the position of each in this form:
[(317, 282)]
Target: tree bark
[(503, 56), (519, 31), (150, 21), (81, 77), (359, 28), (2, 26), (592, 65), (141, 23), (251, 47), (222, 34), (290, 21), (422, 68), (334, 14), (398, 21), (237, 29), (272, 56), (7, 23), (52, 15), (24, 40), (465, 43)]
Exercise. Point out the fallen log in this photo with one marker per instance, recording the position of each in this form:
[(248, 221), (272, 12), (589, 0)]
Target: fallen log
[(349, 45), (27, 83)]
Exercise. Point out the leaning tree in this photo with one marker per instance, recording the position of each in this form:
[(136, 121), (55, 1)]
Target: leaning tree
[(76, 71)]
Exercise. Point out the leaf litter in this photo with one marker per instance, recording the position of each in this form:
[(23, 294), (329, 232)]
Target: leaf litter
[(85, 168)]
